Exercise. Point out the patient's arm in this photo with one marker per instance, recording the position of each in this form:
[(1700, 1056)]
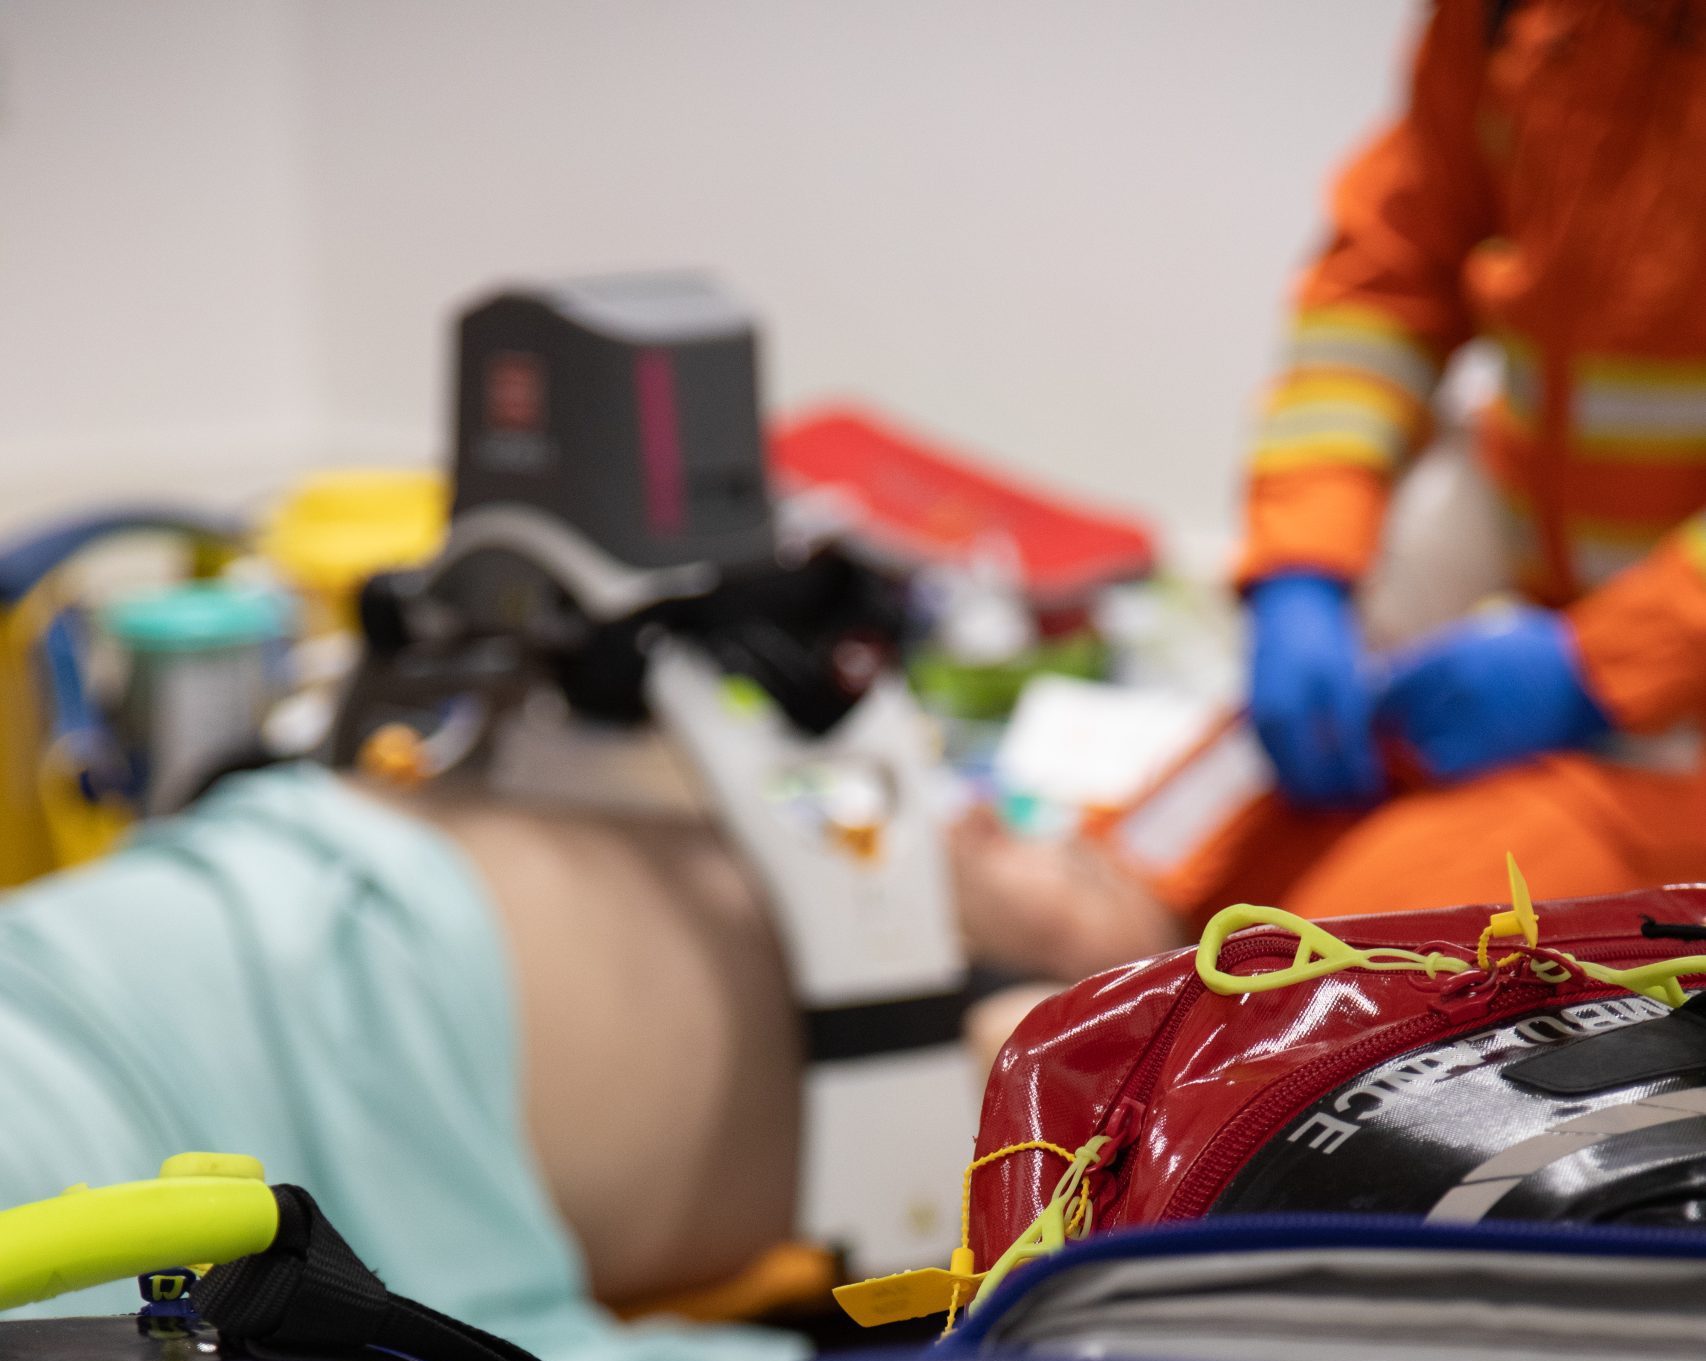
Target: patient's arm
[(661, 1058), (1061, 909)]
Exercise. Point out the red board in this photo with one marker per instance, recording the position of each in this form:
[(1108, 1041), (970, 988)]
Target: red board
[(926, 504)]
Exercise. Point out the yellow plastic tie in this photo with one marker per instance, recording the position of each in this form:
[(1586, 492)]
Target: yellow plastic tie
[(962, 1265), (1320, 953), (1049, 1230), (1076, 1227), (931, 1290), (909, 1294), (1660, 980), (1521, 920)]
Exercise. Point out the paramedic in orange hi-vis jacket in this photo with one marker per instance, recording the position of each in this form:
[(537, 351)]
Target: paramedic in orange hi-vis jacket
[(1544, 189)]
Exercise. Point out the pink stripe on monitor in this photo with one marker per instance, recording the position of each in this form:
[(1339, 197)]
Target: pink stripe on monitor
[(660, 441)]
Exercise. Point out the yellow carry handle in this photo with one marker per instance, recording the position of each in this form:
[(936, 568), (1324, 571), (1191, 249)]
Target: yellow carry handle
[(203, 1207)]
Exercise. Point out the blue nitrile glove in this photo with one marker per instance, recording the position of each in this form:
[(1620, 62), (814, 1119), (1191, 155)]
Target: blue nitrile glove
[(1490, 690), (1311, 699)]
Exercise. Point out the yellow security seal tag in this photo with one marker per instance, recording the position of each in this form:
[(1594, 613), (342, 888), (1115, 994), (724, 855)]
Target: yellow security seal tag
[(1521, 920), (911, 1294)]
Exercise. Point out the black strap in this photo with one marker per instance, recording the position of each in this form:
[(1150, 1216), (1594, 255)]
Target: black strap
[(1672, 1045), (309, 1292), (867, 1029), (1657, 930)]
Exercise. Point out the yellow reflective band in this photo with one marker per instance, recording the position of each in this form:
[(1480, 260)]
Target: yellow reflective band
[(1640, 411), (1655, 375), (1312, 420), (1340, 450), (1363, 339), (1621, 410), (1336, 420), (1634, 535), (1633, 448), (1347, 389)]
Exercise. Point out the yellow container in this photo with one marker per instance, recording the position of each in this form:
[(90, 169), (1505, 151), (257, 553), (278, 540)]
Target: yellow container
[(338, 528)]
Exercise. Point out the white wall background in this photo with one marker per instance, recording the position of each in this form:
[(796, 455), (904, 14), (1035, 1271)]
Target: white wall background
[(154, 318), (230, 235)]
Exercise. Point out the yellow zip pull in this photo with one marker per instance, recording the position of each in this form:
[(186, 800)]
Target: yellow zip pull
[(1319, 953)]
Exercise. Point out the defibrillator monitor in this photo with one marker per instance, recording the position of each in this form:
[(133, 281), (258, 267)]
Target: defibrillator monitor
[(625, 407)]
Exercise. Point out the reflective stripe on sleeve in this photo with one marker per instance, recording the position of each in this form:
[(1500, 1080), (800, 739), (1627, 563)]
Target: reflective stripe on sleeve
[(1334, 420), (1638, 410), (1362, 340)]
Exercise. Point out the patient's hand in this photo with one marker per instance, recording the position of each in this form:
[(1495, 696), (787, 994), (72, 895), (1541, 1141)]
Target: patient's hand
[(1062, 909)]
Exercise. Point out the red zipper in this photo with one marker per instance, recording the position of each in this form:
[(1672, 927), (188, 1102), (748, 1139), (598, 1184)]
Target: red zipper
[(1124, 1118), (1251, 1127)]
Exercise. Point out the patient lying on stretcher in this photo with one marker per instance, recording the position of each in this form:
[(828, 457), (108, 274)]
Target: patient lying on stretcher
[(655, 927), (525, 1059)]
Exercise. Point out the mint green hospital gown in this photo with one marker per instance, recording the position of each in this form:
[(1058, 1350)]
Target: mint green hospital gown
[(291, 971)]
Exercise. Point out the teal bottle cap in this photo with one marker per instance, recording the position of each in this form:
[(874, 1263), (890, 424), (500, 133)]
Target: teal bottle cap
[(197, 616)]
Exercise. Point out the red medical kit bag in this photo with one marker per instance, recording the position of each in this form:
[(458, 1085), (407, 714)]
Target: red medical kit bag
[(1455, 1065)]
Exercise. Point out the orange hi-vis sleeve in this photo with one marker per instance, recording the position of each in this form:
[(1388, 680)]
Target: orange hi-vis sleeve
[(1325, 520), (1378, 312), (1642, 635)]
